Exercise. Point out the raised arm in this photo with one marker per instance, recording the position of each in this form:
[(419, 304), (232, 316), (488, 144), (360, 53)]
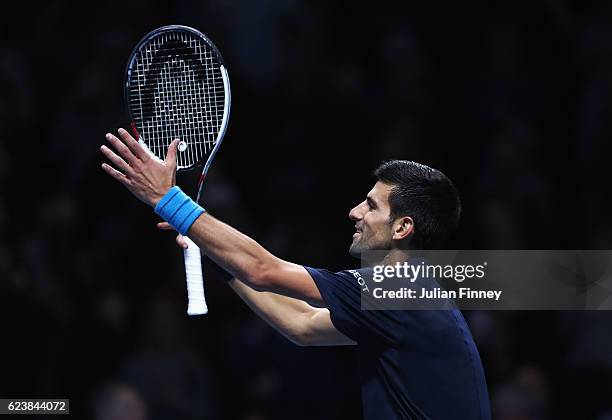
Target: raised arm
[(150, 179), (245, 259)]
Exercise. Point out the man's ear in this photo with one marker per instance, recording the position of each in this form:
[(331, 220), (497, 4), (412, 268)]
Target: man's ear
[(403, 227)]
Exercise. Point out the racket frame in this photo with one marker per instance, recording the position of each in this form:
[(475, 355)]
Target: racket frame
[(226, 86)]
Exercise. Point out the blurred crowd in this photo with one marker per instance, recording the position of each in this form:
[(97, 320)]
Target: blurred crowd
[(511, 100)]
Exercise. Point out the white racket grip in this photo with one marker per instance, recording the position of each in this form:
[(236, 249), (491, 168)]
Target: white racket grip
[(195, 280)]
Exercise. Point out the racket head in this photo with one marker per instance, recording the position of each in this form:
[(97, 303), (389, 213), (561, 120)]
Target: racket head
[(177, 86)]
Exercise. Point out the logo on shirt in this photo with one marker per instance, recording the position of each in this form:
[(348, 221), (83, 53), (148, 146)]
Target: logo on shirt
[(360, 280)]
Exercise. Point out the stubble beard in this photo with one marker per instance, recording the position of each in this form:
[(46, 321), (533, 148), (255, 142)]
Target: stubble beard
[(356, 247)]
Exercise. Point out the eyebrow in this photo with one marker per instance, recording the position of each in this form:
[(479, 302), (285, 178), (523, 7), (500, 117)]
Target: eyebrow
[(371, 202)]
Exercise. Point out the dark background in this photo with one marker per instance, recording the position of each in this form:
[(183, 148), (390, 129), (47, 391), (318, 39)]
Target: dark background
[(511, 101)]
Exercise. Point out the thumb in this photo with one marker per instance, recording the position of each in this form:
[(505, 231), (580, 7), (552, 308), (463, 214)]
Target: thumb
[(171, 155)]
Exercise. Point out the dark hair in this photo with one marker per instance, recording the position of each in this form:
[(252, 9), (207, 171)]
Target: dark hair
[(426, 195)]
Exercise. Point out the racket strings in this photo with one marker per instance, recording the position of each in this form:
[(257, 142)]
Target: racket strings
[(177, 91)]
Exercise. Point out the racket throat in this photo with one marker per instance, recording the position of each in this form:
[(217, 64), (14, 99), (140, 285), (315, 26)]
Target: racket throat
[(135, 130)]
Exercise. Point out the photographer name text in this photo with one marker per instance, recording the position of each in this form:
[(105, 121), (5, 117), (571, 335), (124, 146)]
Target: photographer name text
[(436, 293)]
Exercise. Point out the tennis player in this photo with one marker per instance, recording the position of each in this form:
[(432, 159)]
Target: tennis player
[(420, 364)]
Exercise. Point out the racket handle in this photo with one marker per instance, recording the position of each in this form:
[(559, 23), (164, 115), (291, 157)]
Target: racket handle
[(195, 280)]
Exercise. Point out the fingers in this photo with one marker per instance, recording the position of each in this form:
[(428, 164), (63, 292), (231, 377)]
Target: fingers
[(180, 240), (133, 145), (115, 174), (117, 161), (164, 226), (123, 150)]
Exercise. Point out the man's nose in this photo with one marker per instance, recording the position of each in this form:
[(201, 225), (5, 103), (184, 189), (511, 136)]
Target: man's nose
[(356, 213)]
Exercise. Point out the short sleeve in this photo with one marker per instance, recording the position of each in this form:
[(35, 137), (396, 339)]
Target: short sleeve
[(341, 292)]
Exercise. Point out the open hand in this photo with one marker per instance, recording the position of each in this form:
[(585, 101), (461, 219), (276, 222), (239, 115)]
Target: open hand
[(146, 176)]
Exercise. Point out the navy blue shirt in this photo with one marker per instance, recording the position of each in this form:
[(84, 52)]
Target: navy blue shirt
[(414, 364)]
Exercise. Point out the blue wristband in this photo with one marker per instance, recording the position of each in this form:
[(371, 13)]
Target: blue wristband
[(179, 210)]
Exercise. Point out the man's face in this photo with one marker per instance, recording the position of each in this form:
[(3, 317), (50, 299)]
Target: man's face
[(373, 230)]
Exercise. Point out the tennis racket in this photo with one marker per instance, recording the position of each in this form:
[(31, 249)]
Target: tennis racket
[(177, 86)]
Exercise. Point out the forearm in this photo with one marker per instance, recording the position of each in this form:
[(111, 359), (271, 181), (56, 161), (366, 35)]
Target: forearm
[(248, 261), (299, 322), (232, 250), (287, 315)]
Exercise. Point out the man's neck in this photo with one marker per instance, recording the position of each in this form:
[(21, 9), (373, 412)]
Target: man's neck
[(395, 256), (391, 257)]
